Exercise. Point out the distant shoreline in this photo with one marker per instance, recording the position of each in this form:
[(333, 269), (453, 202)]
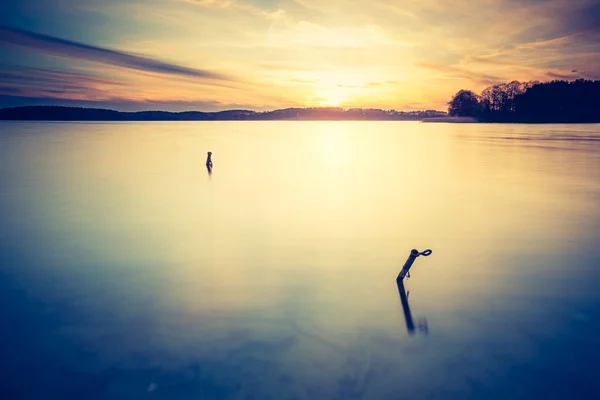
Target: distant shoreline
[(455, 120), (74, 114), (58, 113)]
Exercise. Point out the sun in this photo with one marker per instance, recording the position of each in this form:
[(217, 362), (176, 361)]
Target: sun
[(331, 97)]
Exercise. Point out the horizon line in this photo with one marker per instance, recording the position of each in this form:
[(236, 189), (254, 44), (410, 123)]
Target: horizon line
[(340, 108)]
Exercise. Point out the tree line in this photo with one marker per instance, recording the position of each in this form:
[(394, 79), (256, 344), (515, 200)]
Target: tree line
[(558, 101), (59, 113)]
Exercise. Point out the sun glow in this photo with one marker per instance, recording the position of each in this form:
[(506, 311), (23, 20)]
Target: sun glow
[(331, 98)]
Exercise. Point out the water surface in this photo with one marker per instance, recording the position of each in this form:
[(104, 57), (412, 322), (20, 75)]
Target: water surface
[(128, 271)]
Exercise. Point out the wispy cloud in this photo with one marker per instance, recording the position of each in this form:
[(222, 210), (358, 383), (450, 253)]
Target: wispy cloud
[(269, 14), (490, 60), (377, 84), (65, 48), (20, 98), (396, 10), (451, 72), (42, 77), (38, 82), (49, 86), (305, 33), (555, 75)]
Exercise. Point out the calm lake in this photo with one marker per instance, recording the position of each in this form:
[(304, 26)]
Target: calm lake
[(127, 271)]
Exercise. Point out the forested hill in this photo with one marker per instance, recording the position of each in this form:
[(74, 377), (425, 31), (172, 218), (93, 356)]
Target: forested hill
[(54, 113), (549, 102)]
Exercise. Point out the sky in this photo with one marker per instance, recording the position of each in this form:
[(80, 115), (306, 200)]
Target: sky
[(210, 55)]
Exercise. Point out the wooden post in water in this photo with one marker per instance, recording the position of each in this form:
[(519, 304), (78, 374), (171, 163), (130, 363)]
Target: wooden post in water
[(414, 253)]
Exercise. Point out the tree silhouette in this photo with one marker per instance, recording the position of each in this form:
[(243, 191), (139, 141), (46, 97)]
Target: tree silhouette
[(555, 101), (465, 103)]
